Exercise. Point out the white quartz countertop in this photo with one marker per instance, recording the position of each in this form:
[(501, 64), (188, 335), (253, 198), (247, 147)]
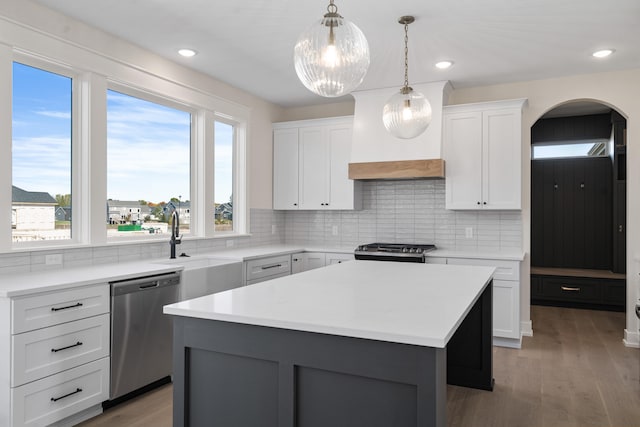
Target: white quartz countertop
[(420, 304), (25, 284)]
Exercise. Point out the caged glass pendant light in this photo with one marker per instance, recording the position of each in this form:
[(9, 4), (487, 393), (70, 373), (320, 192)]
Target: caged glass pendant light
[(332, 57), (407, 113)]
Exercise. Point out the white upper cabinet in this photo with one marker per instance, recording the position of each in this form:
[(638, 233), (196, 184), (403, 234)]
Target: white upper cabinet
[(482, 150), (310, 165)]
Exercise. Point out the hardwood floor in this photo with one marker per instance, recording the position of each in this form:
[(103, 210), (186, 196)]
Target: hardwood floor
[(575, 372)]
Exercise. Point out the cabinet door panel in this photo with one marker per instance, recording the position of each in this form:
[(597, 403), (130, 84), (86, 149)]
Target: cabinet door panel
[(463, 153), (501, 159), (341, 187), (506, 309), (285, 169), (314, 168)]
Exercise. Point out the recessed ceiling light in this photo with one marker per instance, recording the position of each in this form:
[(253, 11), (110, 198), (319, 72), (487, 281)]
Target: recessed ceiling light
[(443, 65), (603, 53), (187, 52)]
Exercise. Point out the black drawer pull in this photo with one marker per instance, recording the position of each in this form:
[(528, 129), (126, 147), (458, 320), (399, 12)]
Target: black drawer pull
[(67, 307), (569, 289), (266, 267), (55, 350), (55, 399)]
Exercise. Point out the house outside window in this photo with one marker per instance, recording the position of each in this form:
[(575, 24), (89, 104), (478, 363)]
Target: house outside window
[(148, 165)]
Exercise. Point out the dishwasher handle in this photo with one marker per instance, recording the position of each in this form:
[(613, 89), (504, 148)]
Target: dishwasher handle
[(147, 283)]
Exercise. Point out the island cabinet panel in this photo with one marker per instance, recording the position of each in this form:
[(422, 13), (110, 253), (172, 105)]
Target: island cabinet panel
[(236, 375)]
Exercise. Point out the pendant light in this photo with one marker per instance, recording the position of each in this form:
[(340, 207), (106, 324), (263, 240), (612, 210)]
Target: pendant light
[(407, 113), (332, 57)]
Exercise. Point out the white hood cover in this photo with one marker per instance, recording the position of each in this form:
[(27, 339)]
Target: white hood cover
[(372, 142)]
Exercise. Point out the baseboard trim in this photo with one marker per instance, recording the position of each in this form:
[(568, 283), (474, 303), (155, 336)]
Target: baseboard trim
[(631, 339), (507, 342), (526, 328)]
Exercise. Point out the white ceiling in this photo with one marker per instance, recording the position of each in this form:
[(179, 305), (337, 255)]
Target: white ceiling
[(249, 43)]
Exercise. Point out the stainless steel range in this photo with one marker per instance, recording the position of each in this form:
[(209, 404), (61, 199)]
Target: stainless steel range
[(393, 252)]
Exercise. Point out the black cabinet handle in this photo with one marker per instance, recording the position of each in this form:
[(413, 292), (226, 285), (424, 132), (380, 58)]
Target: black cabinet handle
[(478, 202), (295, 204), (55, 399), (55, 350), (266, 267), (484, 203), (67, 307)]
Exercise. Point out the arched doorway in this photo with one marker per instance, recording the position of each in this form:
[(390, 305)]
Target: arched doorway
[(578, 207)]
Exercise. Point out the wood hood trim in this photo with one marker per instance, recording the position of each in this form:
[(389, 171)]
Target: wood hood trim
[(400, 169)]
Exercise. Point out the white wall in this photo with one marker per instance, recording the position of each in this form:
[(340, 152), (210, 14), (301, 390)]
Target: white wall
[(620, 90)]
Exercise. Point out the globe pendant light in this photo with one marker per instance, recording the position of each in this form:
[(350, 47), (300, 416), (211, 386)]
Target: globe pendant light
[(407, 113), (332, 57)]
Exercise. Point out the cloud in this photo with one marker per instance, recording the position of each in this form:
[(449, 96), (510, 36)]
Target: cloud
[(55, 114)]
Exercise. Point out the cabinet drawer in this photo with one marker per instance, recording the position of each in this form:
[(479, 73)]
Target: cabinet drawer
[(505, 270), (568, 289), (56, 397), (336, 258), (267, 267), (42, 310), (46, 351)]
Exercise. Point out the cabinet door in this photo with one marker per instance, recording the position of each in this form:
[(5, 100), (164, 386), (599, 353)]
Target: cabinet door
[(501, 170), (285, 168), (313, 260), (297, 262), (506, 309), (314, 168), (463, 156), (341, 187), (334, 258)]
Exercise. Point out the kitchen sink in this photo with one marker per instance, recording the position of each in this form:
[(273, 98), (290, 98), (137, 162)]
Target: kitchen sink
[(205, 274)]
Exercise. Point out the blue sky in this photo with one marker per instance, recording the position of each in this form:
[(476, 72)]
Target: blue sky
[(148, 144)]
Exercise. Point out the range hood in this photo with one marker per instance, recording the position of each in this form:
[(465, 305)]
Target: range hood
[(376, 154)]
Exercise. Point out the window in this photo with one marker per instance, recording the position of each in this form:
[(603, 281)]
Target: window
[(148, 166), (224, 176), (563, 150), (41, 155)]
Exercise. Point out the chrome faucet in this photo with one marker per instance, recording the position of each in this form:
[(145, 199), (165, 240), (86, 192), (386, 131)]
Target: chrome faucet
[(176, 238)]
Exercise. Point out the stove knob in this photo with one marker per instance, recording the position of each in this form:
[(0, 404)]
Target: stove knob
[(419, 250), (404, 250)]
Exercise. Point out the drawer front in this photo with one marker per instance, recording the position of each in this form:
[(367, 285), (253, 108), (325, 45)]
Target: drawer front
[(567, 289), (334, 258), (42, 310), (267, 267), (46, 351), (54, 398), (505, 270)]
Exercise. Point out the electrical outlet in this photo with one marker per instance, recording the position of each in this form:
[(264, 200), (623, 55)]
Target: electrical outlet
[(230, 243), (53, 259), (334, 230), (468, 232)]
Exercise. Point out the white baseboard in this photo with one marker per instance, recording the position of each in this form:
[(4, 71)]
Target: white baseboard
[(507, 342), (631, 338), (526, 328)]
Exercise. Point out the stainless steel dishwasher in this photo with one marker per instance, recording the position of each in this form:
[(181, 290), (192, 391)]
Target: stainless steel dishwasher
[(141, 335)]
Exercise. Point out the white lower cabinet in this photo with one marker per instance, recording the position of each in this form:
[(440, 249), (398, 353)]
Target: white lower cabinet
[(506, 298), (338, 258), (51, 399), (43, 352), (262, 269), (56, 359)]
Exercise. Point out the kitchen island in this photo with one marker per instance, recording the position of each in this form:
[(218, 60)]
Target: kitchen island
[(363, 343)]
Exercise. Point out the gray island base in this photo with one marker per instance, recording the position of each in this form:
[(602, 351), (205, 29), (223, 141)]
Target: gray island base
[(234, 374)]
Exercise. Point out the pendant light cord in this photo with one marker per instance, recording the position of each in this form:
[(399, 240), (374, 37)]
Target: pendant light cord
[(406, 55)]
